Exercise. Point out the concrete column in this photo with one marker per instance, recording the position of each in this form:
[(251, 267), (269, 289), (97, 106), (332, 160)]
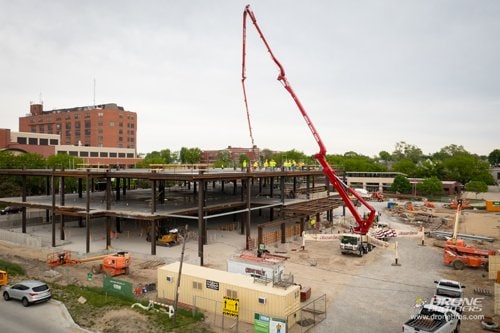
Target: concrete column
[(201, 222), (23, 195), (87, 212)]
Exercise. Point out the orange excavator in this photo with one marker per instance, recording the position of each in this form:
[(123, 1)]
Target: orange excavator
[(458, 254), (111, 265)]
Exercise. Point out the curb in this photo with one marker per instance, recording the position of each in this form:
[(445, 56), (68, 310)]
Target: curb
[(66, 315)]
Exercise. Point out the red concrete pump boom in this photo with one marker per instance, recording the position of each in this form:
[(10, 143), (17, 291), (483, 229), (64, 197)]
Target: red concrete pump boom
[(344, 191)]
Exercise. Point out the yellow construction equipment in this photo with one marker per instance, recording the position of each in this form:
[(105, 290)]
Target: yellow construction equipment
[(4, 278)]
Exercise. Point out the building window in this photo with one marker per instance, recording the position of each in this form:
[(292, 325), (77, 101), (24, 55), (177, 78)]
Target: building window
[(120, 139), (49, 128), (33, 129), (32, 141), (231, 293), (120, 124), (58, 118), (121, 155), (77, 132), (104, 154), (100, 131), (130, 155), (54, 142), (68, 125), (22, 140), (87, 115), (100, 114), (100, 123), (73, 153), (111, 124), (112, 154), (120, 115), (77, 124), (120, 132), (44, 142), (84, 154), (76, 116), (41, 129), (94, 154), (68, 133), (197, 285), (67, 116), (87, 124), (120, 145), (62, 152), (87, 132)]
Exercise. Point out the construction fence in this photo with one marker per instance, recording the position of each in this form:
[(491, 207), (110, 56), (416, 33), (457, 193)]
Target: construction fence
[(308, 316)]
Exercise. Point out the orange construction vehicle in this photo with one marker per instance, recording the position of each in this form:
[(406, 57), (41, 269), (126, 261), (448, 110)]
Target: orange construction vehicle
[(459, 255), (377, 196), (4, 278), (112, 264)]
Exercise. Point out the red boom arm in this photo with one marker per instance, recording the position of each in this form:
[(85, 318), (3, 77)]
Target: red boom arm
[(342, 189)]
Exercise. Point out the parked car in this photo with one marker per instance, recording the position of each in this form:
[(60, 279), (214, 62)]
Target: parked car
[(28, 292), (11, 210)]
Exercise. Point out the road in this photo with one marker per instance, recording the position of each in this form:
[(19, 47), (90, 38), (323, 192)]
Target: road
[(44, 317)]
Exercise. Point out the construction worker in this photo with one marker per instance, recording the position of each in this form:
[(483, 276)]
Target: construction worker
[(255, 165), (312, 222), (244, 165), (266, 164), (272, 164)]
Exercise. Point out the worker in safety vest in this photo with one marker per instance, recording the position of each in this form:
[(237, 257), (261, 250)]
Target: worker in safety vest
[(255, 165), (244, 164), (312, 222), (266, 164)]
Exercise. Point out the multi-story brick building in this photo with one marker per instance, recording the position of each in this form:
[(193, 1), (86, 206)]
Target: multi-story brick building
[(105, 125), (100, 135)]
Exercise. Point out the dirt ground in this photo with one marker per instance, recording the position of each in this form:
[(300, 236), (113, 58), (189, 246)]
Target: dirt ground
[(371, 288)]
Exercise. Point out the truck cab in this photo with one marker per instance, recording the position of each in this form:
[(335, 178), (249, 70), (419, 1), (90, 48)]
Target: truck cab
[(354, 244), (449, 294)]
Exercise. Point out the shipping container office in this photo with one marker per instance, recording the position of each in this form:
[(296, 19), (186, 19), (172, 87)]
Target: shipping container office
[(206, 289)]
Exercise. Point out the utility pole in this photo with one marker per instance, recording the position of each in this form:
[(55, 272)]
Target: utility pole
[(180, 273)]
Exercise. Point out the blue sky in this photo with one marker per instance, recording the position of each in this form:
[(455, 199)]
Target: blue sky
[(369, 73)]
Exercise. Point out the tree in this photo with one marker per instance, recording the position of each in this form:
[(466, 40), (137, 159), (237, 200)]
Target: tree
[(449, 151), (352, 161), (223, 159), (401, 184), (385, 156), (190, 155), (476, 186), (407, 151), (494, 157), (430, 186), (406, 166), (465, 167)]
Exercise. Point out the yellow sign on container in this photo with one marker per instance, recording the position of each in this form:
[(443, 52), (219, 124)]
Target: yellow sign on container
[(231, 306)]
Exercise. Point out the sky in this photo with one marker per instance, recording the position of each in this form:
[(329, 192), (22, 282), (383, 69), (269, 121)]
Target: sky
[(369, 74)]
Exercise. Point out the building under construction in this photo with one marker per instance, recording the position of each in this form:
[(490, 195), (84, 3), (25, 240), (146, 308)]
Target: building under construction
[(174, 195)]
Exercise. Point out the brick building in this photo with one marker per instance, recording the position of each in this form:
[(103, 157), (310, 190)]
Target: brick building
[(210, 156), (100, 135), (105, 125)]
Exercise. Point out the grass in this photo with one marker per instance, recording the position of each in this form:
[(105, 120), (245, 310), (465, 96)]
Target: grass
[(11, 268), (98, 301)]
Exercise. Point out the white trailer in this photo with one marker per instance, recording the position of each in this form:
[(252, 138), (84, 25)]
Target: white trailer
[(267, 266)]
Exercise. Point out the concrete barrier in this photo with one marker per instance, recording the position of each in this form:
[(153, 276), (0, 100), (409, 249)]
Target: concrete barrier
[(21, 239)]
